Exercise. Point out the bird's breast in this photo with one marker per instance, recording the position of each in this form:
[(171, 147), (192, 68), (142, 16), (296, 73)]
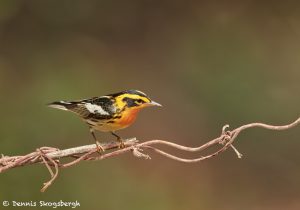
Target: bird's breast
[(127, 117), (119, 122)]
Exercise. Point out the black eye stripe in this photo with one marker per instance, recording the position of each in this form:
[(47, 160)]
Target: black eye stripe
[(129, 101), (133, 102)]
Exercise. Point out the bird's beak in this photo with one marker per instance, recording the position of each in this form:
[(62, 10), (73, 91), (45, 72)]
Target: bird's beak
[(153, 103)]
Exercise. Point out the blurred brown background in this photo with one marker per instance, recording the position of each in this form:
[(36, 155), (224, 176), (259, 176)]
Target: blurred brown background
[(209, 64)]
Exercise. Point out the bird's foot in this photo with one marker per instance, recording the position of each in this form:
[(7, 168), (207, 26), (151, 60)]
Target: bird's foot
[(122, 143), (100, 149)]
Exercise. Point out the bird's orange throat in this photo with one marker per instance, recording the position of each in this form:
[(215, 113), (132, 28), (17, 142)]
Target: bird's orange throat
[(128, 117)]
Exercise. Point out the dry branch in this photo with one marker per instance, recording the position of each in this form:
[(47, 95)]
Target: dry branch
[(51, 157)]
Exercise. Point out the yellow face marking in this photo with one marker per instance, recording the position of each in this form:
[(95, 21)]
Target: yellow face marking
[(121, 104)]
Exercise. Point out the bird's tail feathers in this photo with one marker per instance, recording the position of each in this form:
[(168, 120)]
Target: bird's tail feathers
[(63, 105)]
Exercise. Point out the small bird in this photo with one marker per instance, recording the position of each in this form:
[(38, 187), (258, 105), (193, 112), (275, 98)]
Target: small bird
[(108, 113)]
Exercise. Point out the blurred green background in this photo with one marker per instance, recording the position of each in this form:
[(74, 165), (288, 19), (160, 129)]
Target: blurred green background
[(209, 64)]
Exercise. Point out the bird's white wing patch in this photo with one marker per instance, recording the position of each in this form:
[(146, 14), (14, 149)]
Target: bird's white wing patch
[(95, 109)]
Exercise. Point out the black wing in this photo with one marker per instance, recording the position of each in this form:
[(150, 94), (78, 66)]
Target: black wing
[(99, 107), (94, 108)]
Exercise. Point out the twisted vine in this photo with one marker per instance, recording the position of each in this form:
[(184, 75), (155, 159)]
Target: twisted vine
[(51, 157)]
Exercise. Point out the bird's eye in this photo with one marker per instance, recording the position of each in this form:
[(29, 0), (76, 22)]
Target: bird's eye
[(140, 101)]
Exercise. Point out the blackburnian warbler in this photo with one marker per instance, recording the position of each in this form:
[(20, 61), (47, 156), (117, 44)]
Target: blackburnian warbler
[(108, 113)]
